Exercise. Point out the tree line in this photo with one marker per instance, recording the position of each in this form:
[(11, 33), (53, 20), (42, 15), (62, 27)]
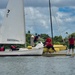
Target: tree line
[(56, 39)]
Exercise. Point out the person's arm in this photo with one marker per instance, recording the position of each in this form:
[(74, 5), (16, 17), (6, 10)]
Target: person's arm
[(50, 41), (68, 42), (74, 42)]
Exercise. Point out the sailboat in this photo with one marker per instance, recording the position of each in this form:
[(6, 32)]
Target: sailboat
[(13, 30)]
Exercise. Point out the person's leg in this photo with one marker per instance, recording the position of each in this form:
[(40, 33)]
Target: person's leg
[(48, 47), (69, 49), (72, 49), (53, 48), (73, 52)]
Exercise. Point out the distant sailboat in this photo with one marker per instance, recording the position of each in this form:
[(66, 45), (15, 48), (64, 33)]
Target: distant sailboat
[(13, 29)]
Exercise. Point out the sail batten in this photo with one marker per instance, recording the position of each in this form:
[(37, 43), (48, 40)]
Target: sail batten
[(12, 30)]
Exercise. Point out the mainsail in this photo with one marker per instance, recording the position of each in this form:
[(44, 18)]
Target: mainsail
[(13, 26)]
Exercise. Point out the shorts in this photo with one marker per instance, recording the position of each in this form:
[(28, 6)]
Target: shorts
[(71, 46), (50, 47)]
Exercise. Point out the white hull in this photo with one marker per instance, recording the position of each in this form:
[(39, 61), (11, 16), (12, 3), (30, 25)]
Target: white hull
[(15, 21), (22, 51)]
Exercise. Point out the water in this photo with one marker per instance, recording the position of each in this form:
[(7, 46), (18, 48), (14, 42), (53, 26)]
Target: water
[(37, 65)]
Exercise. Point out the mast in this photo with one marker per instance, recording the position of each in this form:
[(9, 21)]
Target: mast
[(51, 20)]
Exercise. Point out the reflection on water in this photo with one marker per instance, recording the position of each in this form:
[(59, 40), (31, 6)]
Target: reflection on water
[(37, 65)]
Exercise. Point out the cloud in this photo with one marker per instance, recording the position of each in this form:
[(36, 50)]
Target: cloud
[(36, 3), (36, 19), (3, 4), (42, 3), (37, 16), (45, 3), (66, 20)]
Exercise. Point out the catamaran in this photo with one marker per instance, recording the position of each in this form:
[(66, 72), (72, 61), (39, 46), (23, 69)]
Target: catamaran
[(13, 30)]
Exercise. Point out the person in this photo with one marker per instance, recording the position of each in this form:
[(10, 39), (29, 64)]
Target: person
[(71, 42), (2, 48), (13, 48), (48, 44), (36, 39), (32, 40)]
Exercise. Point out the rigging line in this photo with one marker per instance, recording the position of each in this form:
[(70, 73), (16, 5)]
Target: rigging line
[(58, 25), (59, 29)]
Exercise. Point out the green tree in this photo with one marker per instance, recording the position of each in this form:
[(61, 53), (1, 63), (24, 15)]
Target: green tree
[(58, 40), (28, 37), (44, 36)]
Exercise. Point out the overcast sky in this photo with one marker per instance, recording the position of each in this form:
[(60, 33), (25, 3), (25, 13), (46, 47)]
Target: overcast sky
[(38, 19)]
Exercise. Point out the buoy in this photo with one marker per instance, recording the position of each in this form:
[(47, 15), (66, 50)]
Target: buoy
[(29, 47)]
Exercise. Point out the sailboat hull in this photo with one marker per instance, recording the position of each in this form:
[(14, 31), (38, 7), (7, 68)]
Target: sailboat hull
[(14, 19), (22, 52)]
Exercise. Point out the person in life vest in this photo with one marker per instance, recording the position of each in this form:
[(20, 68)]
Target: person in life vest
[(48, 44), (36, 39), (13, 48), (71, 43), (2, 48)]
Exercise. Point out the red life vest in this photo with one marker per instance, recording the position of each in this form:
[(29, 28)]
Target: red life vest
[(71, 41), (2, 48), (13, 47), (49, 40), (48, 44)]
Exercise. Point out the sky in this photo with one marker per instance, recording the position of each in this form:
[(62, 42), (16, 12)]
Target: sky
[(37, 16)]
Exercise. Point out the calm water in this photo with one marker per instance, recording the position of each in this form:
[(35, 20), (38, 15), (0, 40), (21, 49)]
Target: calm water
[(37, 65)]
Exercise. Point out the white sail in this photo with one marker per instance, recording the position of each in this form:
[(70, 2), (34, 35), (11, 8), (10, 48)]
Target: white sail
[(12, 31)]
